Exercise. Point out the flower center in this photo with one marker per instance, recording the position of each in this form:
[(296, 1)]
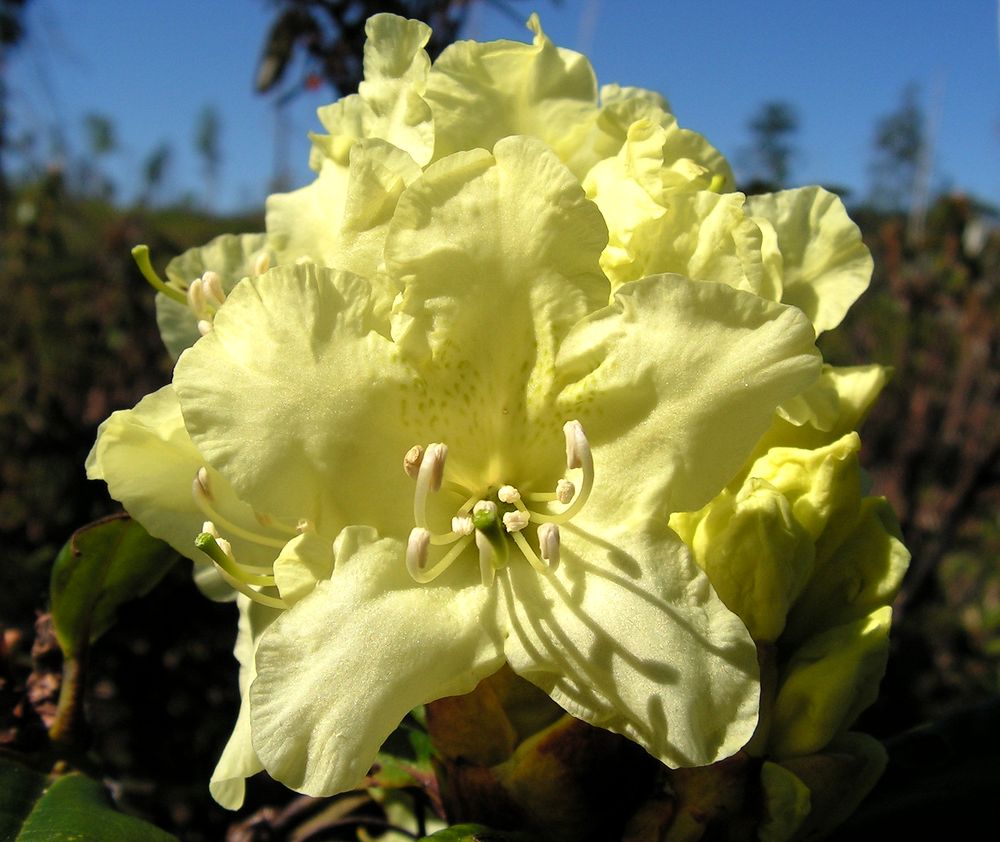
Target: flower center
[(494, 517)]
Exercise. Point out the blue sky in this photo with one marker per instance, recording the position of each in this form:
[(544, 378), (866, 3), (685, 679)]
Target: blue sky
[(153, 65)]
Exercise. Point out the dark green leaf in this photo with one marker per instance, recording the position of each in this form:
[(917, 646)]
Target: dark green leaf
[(103, 565), (20, 787), (71, 807), (405, 758)]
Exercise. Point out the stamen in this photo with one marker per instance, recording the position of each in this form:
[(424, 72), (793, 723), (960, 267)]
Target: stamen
[(444, 538), (140, 254), (411, 461), (201, 482), (269, 522), (564, 493), (462, 525), (466, 507), (428, 479), (525, 548), (418, 546), (578, 455), (576, 444), (417, 551), (515, 521), (548, 543), (205, 296), (202, 498), (508, 494), (461, 490), (196, 297), (221, 553), (211, 285), (262, 263)]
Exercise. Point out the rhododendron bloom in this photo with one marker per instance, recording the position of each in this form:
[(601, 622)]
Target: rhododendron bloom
[(436, 438)]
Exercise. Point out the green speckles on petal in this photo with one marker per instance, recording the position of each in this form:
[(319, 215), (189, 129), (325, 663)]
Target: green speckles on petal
[(497, 257)]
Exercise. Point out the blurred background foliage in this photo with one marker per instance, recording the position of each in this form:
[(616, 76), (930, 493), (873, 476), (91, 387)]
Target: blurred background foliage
[(78, 340)]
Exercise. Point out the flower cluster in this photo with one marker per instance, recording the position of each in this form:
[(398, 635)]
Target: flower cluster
[(438, 417)]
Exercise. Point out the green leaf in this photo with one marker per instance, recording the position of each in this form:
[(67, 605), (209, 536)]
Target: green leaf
[(20, 787), (475, 833), (104, 564), (405, 757), (34, 808)]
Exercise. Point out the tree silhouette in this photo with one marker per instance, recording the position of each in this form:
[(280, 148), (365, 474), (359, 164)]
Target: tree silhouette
[(207, 134), (331, 34), (768, 159), (898, 146), (11, 34)]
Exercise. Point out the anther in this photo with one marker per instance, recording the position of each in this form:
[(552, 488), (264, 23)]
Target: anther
[(196, 297), (576, 444), (204, 327), (417, 548), (462, 525), (211, 285), (508, 494), (205, 296), (227, 549), (578, 455), (429, 478), (434, 459), (548, 543), (515, 521), (411, 461), (200, 484), (261, 263), (565, 491)]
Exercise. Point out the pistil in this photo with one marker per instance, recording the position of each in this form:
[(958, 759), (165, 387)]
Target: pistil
[(417, 553), (140, 254), (220, 551), (578, 456)]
